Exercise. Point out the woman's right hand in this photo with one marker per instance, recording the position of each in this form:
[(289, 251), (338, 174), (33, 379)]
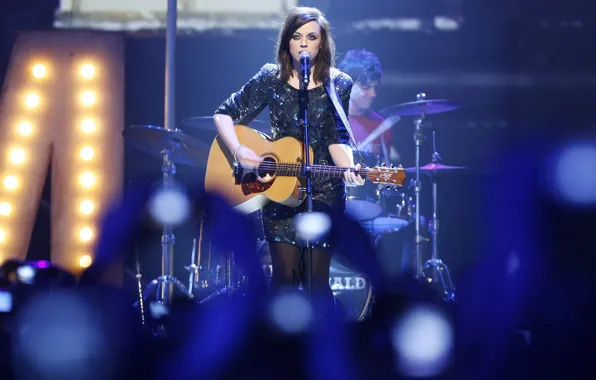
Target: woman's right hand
[(248, 158)]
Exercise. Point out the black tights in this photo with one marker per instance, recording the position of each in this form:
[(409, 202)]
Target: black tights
[(285, 262)]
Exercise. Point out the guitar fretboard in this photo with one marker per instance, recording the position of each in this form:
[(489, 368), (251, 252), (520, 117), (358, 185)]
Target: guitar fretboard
[(317, 171)]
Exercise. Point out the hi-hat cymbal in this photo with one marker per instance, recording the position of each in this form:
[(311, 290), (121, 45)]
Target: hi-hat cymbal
[(435, 168), (181, 148), (420, 106), (203, 127)]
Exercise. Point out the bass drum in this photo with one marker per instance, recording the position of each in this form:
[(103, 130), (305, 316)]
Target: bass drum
[(351, 288)]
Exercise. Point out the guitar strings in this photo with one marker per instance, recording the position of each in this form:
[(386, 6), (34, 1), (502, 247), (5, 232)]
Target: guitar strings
[(270, 165), (321, 170), (273, 165)]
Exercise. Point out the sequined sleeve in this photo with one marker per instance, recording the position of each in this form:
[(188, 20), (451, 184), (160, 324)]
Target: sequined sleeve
[(245, 104), (338, 133)]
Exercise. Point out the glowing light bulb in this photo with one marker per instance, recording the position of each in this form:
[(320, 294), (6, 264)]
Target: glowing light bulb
[(17, 156), (25, 128), (39, 71), (86, 234), (11, 182), (85, 261), (32, 100), (86, 207), (87, 180), (88, 126), (5, 208), (87, 71), (87, 153), (88, 98)]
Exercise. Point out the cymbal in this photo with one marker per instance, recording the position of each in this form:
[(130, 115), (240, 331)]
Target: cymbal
[(420, 106), (182, 148), (435, 168), (198, 126)]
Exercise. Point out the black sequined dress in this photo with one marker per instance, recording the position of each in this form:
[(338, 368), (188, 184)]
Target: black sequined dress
[(325, 128)]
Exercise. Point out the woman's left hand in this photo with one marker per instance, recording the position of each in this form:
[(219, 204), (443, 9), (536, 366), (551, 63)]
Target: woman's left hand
[(351, 179)]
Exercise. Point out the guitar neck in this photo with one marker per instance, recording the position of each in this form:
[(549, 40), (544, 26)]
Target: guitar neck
[(317, 171)]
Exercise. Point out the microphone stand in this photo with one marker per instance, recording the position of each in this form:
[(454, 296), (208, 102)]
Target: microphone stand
[(306, 254)]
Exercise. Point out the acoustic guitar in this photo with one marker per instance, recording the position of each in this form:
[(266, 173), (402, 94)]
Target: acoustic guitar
[(279, 178)]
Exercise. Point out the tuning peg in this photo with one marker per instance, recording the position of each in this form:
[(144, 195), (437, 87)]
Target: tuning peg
[(383, 164), (391, 166)]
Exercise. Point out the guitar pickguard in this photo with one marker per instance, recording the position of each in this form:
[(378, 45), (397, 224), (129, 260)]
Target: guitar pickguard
[(253, 183)]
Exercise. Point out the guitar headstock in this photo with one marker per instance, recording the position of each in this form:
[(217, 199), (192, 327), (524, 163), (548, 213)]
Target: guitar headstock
[(386, 175)]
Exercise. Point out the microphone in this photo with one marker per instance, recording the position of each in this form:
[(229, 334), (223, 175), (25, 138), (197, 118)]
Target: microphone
[(305, 68)]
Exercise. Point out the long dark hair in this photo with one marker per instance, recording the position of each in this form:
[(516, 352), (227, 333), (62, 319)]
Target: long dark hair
[(295, 18)]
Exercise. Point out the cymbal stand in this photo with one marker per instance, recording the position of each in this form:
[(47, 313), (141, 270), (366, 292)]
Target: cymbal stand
[(439, 269), (139, 278), (195, 265), (231, 286), (164, 284), (205, 282), (229, 267), (418, 137), (193, 268)]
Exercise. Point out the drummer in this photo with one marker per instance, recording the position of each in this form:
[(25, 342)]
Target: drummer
[(365, 69)]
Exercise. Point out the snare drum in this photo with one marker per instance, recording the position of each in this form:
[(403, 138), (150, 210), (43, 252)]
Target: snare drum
[(362, 209), (384, 224), (390, 237), (394, 240)]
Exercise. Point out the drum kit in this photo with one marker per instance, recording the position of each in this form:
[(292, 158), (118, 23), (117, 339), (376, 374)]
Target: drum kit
[(380, 211), (383, 211)]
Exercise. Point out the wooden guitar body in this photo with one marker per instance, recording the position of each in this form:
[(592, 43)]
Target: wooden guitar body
[(279, 177), (248, 191)]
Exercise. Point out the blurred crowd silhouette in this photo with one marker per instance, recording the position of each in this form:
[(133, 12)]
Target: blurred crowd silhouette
[(522, 313)]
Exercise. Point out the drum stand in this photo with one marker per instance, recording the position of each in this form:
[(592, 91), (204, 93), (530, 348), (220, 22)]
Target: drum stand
[(193, 268), (195, 259), (439, 270), (231, 286), (164, 284)]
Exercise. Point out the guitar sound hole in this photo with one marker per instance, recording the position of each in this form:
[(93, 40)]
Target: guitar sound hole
[(266, 171)]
